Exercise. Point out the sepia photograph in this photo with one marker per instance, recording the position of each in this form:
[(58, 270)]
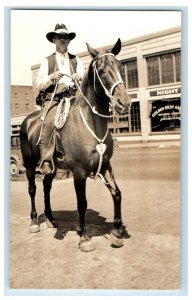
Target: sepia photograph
[(95, 150)]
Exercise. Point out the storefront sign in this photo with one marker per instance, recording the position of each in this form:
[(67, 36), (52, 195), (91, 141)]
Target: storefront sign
[(165, 92), (165, 115)]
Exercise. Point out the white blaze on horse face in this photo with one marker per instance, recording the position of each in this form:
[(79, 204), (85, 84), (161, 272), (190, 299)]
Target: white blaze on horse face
[(119, 76)]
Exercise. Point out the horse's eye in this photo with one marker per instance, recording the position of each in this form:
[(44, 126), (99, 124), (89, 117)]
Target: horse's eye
[(101, 72)]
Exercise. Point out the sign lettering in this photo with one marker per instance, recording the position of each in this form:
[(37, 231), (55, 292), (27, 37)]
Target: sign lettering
[(165, 92), (165, 115)]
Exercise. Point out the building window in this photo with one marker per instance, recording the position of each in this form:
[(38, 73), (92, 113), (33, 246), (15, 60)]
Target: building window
[(135, 117), (16, 105), (178, 65), (130, 74), (27, 106), (167, 68), (26, 96), (165, 115), (130, 123), (153, 70), (163, 68)]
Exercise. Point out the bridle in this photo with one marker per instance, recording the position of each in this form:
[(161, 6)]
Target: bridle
[(107, 93)]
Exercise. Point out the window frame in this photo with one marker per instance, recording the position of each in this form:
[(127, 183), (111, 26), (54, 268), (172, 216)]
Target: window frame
[(158, 54), (125, 66)]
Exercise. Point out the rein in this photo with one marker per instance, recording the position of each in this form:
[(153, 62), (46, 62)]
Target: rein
[(91, 131)]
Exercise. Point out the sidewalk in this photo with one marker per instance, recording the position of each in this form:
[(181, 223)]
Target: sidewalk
[(155, 144)]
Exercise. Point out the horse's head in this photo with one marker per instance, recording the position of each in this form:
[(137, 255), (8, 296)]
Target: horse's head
[(107, 77)]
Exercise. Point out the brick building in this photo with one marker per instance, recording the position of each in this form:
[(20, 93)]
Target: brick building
[(22, 100)]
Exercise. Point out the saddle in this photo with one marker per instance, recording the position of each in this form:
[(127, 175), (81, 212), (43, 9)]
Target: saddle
[(61, 92)]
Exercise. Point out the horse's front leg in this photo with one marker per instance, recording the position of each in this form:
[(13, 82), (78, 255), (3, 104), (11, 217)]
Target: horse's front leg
[(80, 188), (119, 231), (47, 185)]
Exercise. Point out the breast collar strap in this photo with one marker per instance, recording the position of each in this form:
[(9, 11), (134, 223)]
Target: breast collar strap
[(91, 131)]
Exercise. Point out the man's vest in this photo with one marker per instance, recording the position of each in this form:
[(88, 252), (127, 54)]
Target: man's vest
[(53, 67)]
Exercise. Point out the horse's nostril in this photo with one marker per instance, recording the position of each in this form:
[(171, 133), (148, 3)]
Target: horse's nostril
[(119, 102)]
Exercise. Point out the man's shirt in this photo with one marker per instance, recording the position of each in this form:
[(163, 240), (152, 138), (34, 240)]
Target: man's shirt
[(43, 80)]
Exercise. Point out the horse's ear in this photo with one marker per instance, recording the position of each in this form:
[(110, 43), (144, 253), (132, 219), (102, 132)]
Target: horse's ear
[(92, 51), (117, 48)]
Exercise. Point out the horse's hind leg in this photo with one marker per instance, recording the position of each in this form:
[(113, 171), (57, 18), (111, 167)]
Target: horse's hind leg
[(34, 226), (119, 231), (47, 185)]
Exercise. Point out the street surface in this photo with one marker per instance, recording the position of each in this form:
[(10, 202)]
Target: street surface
[(149, 179)]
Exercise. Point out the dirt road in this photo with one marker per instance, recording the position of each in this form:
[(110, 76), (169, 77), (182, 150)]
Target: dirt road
[(51, 259)]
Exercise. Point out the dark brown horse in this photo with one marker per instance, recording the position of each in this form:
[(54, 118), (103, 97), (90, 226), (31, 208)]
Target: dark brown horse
[(87, 143)]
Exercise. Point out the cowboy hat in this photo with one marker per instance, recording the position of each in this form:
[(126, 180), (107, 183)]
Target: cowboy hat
[(60, 30)]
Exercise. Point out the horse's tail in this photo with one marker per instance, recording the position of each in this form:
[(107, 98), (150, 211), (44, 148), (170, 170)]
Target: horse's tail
[(30, 157), (25, 147)]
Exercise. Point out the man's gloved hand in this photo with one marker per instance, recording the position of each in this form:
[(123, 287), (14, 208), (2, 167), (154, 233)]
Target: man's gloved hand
[(56, 76), (76, 77)]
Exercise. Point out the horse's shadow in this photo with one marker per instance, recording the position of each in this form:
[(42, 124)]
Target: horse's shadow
[(96, 224)]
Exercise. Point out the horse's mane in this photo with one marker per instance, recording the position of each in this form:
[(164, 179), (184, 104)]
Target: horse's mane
[(85, 79)]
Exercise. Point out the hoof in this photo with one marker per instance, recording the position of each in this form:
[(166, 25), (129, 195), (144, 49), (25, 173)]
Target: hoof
[(52, 224), (124, 233), (85, 244), (34, 227), (116, 242)]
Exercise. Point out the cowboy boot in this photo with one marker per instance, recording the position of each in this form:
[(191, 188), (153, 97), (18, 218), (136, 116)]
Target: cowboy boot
[(47, 144), (47, 147)]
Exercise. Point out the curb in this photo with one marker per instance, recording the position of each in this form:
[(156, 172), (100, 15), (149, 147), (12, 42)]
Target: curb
[(149, 145)]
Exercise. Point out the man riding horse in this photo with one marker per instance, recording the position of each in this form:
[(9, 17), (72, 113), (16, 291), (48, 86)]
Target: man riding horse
[(85, 138), (61, 67)]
